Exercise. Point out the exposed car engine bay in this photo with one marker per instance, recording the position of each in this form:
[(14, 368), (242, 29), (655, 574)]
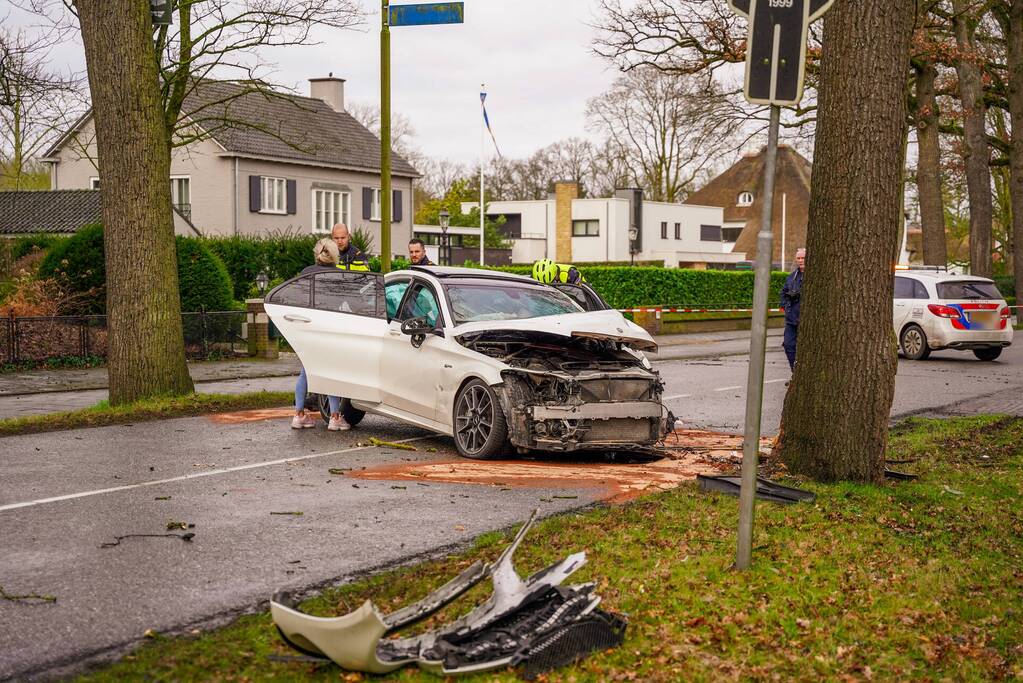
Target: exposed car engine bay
[(570, 393)]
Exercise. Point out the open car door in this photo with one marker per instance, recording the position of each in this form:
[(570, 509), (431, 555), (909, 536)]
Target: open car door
[(335, 320)]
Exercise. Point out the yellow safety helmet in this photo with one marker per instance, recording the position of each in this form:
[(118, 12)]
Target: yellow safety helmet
[(545, 271)]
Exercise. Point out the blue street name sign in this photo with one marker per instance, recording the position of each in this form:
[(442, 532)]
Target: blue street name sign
[(425, 14)]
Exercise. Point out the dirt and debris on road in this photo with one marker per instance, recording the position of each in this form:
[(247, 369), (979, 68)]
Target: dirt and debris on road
[(688, 452)]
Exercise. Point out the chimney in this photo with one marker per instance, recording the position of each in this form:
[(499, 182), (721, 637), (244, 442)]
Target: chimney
[(564, 193), (331, 90)]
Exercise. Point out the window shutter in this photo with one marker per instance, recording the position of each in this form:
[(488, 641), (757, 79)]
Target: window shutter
[(396, 207), (367, 203), (255, 200), (292, 192)]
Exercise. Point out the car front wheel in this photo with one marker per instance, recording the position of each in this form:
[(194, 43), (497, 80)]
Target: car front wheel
[(480, 429), (914, 343), (990, 353)]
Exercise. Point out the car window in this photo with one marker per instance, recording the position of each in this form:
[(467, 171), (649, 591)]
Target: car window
[(393, 292), (587, 299), (966, 289), (903, 288), (919, 291), (420, 302), (478, 302), (345, 291), (293, 293)]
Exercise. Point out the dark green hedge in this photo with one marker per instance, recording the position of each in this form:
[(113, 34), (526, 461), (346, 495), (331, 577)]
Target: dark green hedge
[(627, 287), (78, 264), (23, 246)]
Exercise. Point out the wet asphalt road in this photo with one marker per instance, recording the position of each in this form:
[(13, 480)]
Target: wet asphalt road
[(63, 495)]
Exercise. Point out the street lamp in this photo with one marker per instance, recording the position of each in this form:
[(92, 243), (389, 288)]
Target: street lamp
[(445, 221), (262, 280)]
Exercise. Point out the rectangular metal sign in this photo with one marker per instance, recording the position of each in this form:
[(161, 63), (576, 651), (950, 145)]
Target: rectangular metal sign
[(425, 14)]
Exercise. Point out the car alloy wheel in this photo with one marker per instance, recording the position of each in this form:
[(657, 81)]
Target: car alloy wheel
[(914, 343), (474, 418)]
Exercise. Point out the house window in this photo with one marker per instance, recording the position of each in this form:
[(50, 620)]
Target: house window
[(678, 231), (273, 195), (710, 233), (374, 210), (745, 198), (588, 228), (664, 230), (730, 234), (329, 208), (94, 183), (181, 196)]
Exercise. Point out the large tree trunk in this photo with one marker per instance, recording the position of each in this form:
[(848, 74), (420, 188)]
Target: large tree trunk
[(146, 354), (975, 148), (835, 421), (928, 168), (1014, 61)]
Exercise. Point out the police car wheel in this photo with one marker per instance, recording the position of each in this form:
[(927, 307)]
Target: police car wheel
[(914, 343), (990, 353), (480, 430)]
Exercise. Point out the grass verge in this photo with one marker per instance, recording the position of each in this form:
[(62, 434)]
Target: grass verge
[(160, 408), (912, 580)]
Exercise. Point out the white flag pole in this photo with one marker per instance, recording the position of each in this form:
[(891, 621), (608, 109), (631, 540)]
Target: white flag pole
[(482, 136)]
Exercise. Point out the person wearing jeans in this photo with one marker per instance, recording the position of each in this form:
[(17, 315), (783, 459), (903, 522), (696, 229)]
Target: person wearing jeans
[(325, 252)]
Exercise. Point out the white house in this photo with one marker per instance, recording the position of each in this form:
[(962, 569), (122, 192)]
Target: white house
[(568, 228)]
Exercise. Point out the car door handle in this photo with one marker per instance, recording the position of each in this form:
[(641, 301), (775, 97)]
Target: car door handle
[(296, 318), (394, 333)]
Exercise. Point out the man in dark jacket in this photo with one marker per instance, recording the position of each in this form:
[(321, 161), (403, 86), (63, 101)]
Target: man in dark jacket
[(349, 256), (417, 253), (790, 295)]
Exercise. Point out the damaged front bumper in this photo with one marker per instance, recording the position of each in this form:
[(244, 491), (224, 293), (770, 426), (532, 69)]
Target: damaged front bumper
[(536, 622)]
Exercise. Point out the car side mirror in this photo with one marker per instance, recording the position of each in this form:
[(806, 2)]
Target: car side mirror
[(417, 328)]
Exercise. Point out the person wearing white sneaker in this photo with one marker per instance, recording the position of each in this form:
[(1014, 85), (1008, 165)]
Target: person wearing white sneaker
[(337, 423)]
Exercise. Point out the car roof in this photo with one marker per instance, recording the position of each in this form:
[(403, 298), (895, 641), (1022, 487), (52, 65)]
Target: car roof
[(937, 276), (442, 272)]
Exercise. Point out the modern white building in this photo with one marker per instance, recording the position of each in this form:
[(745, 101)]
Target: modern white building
[(568, 228)]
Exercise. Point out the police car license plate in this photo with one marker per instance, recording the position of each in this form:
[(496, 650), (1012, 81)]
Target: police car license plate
[(984, 319)]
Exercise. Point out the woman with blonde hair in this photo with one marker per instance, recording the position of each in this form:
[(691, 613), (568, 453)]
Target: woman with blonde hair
[(325, 254)]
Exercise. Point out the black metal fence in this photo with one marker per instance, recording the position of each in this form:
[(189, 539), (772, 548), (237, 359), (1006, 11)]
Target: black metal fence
[(208, 334)]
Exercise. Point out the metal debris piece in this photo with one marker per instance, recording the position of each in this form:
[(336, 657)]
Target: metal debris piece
[(766, 489), (535, 622), (900, 476)]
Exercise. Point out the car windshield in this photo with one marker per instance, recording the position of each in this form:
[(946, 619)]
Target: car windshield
[(968, 290), (478, 302)]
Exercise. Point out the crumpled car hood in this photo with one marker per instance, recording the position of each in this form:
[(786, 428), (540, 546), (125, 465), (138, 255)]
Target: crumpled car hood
[(606, 325)]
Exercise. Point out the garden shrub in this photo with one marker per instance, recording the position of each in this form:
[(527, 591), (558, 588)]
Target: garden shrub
[(202, 278), (25, 245), (76, 264)]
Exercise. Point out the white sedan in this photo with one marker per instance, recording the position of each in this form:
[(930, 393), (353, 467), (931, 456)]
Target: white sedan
[(489, 358)]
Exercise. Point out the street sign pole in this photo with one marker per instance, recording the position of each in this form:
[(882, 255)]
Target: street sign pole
[(758, 349), (385, 139)]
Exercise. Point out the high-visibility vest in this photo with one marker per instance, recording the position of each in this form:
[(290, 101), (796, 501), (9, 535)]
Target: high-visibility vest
[(569, 274), (357, 261)]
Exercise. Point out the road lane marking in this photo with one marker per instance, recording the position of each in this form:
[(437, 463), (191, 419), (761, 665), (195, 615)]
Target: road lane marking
[(193, 475), (728, 388), (772, 381), (672, 398)]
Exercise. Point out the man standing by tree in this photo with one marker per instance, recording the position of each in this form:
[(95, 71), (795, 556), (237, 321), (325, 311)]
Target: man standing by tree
[(790, 294)]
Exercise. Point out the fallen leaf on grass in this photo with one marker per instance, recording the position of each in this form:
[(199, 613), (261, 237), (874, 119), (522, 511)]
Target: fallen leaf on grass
[(150, 633)]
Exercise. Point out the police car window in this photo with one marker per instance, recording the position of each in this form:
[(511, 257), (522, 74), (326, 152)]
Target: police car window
[(358, 293), (294, 293), (420, 302), (919, 291), (903, 288), (393, 292), (968, 290)]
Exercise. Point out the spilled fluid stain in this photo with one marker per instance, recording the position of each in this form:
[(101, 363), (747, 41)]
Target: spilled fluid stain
[(256, 415), (688, 453)]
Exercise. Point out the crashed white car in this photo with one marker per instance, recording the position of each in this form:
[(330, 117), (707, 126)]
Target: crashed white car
[(486, 357)]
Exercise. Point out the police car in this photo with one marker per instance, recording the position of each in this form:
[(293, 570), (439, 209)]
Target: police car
[(940, 310)]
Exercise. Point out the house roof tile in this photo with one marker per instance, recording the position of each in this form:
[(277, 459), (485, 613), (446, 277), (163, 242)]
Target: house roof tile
[(54, 211)]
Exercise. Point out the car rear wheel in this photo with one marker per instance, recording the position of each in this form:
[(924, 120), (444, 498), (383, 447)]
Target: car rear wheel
[(352, 416), (990, 353), (480, 429), (914, 343)]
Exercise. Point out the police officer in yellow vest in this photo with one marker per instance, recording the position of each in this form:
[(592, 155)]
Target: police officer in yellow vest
[(547, 272), (349, 256)]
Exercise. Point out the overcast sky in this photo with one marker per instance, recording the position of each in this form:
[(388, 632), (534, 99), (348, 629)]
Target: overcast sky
[(533, 55)]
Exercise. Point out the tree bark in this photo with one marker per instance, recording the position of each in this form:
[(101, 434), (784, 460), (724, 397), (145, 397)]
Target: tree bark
[(146, 355), (975, 147), (835, 419), (928, 168), (1014, 62)]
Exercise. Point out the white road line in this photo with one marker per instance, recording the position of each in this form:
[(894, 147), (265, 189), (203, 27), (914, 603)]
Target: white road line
[(672, 398), (728, 388), (772, 381), (194, 475)]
